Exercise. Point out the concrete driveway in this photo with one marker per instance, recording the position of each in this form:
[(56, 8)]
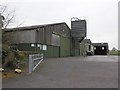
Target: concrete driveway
[(70, 72)]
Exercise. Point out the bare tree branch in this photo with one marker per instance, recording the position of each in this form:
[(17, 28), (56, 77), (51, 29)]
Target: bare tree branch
[(8, 21), (3, 9), (18, 25), (8, 14)]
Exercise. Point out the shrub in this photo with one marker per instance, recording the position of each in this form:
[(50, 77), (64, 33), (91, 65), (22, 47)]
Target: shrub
[(21, 55)]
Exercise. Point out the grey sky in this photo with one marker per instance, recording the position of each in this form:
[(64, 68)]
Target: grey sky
[(101, 15)]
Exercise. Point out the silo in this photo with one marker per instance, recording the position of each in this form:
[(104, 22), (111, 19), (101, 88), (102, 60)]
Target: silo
[(78, 33)]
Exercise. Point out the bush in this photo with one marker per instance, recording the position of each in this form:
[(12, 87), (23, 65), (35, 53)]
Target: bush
[(117, 52), (10, 64), (9, 61), (5, 52), (21, 56), (13, 58)]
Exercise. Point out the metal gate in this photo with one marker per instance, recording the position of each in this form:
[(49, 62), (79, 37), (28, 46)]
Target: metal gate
[(34, 61)]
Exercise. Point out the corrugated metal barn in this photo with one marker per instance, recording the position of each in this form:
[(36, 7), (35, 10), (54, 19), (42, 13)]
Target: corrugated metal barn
[(53, 40)]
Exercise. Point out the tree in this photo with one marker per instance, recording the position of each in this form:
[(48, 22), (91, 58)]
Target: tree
[(8, 57), (8, 16)]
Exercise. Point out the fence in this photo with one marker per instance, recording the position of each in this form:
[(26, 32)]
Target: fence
[(34, 61)]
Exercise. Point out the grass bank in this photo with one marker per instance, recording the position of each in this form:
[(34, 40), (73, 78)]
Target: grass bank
[(117, 52)]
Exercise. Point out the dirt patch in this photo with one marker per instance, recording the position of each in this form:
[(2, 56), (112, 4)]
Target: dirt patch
[(11, 73)]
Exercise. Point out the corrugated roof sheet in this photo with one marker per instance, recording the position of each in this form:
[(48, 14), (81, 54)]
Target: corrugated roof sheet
[(87, 41), (100, 44), (33, 27)]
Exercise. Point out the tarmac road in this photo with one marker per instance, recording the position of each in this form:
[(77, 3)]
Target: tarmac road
[(70, 72)]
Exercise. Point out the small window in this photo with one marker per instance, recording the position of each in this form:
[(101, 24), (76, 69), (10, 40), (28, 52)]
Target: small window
[(44, 47), (103, 48), (94, 48), (38, 45), (32, 45)]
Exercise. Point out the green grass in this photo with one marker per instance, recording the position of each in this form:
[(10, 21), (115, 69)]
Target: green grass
[(114, 52)]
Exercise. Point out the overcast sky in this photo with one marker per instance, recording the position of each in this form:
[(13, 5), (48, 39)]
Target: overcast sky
[(101, 15)]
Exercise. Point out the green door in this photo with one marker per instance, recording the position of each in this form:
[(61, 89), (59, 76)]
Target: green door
[(52, 51), (64, 46)]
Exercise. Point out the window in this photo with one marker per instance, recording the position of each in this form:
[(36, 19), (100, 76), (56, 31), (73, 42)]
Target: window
[(44, 47), (39, 46), (103, 48), (32, 45), (94, 48)]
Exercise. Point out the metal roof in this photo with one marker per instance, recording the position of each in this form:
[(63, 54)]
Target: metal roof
[(33, 27), (100, 44), (87, 41)]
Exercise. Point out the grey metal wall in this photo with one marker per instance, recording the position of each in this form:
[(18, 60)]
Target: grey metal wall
[(75, 47), (27, 36), (59, 30), (55, 41), (40, 35), (48, 34), (62, 30), (78, 28)]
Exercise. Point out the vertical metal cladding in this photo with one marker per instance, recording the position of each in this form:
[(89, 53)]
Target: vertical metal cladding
[(51, 40), (65, 41), (48, 34), (78, 28), (78, 33), (52, 51), (54, 37), (57, 39), (75, 47), (26, 36), (40, 35), (82, 49), (64, 46)]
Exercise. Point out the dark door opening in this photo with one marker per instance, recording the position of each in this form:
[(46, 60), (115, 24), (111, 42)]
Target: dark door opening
[(100, 50)]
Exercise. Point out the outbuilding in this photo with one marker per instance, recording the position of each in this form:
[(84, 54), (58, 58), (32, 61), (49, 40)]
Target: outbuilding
[(86, 47), (101, 48), (53, 40)]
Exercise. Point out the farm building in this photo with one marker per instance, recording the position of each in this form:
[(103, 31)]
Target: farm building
[(56, 40), (86, 47), (53, 40), (101, 48)]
